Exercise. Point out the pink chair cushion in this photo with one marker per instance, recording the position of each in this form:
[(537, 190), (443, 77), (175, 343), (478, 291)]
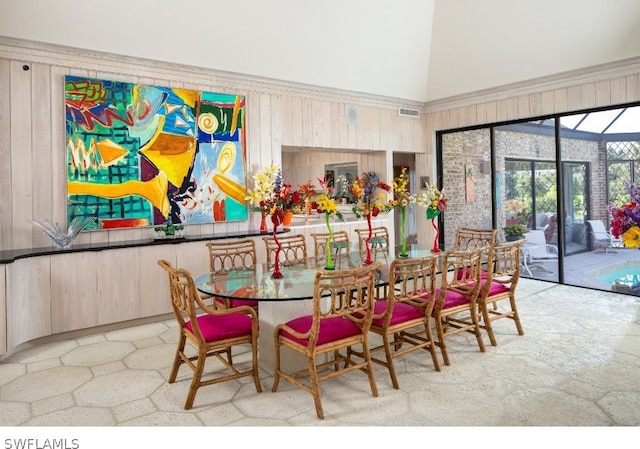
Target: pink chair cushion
[(401, 312), (453, 299), (497, 288), (243, 302), (239, 302), (216, 328), (331, 329)]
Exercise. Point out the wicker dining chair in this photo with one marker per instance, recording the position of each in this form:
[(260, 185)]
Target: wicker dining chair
[(403, 319), (379, 241), (340, 246), (499, 285), (470, 238), (212, 333), (293, 249), (341, 317), (455, 307), (227, 255)]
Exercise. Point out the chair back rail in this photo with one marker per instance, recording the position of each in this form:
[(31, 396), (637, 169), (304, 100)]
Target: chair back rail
[(293, 249)]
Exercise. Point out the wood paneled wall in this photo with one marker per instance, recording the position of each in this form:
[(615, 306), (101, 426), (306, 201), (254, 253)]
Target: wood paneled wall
[(32, 129)]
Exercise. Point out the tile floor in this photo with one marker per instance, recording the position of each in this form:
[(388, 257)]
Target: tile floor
[(577, 365)]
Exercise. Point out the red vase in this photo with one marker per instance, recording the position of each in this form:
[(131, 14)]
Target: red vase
[(367, 258), (435, 248), (263, 223), (277, 219)]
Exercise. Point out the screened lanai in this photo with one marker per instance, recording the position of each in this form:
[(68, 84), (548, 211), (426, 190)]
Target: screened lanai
[(555, 177)]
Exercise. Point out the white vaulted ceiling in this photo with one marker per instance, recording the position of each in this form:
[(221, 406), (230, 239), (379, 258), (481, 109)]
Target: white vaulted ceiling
[(418, 50)]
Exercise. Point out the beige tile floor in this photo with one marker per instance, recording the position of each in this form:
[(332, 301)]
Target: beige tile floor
[(578, 364)]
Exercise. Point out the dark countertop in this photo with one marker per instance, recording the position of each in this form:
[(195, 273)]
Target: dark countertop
[(9, 256)]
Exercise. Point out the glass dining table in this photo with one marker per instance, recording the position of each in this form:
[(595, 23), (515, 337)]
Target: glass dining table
[(284, 299), (280, 300)]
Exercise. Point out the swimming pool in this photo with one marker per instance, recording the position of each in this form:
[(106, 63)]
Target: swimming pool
[(626, 273)]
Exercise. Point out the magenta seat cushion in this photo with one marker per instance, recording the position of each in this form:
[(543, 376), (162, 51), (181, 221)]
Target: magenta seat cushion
[(497, 289), (331, 329), (401, 312), (239, 302), (243, 302), (215, 328), (453, 299)]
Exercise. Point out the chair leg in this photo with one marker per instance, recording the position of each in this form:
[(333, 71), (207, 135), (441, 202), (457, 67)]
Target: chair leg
[(516, 316), (432, 344), (177, 360), (369, 369), (315, 387), (197, 377), (441, 341), (476, 329), (276, 376), (487, 323), (390, 366), (254, 364)]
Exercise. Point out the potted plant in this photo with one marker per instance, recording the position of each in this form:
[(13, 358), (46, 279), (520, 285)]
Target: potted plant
[(514, 232)]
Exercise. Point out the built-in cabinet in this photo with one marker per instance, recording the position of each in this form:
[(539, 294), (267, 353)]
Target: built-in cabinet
[(53, 293)]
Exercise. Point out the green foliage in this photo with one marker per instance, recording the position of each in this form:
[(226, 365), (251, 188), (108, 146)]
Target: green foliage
[(516, 229)]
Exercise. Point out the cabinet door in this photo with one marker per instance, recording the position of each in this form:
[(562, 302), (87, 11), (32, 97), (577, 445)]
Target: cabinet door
[(73, 291), (28, 300), (193, 257), (154, 281), (118, 280)]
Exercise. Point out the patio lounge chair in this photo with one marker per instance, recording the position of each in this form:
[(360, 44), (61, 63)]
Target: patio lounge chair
[(537, 253), (601, 237)]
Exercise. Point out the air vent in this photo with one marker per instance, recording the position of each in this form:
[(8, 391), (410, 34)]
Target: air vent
[(352, 114), (404, 112)]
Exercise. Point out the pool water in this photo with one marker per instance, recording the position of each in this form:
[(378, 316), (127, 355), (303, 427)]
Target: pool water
[(627, 273)]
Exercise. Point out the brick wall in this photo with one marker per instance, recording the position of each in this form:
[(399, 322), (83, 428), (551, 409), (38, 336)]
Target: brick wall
[(470, 148)]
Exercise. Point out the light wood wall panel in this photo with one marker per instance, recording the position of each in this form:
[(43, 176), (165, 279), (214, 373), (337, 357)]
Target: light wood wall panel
[(22, 166), (3, 311), (5, 154)]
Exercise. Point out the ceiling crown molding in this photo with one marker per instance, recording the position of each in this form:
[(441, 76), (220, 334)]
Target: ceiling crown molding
[(59, 55), (562, 80)]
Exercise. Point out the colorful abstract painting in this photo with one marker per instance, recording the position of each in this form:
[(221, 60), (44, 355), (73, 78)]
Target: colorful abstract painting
[(142, 155)]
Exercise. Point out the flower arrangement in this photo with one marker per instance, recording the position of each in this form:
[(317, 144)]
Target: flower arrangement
[(514, 206), (307, 190), (625, 220), (263, 194), (272, 195), (342, 187), (400, 189), (432, 199), (365, 193), (401, 198), (326, 204)]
